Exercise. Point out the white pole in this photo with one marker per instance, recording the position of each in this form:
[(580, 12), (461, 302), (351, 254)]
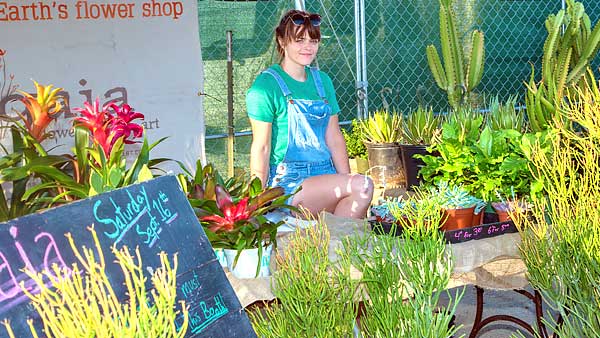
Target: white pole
[(363, 46), (358, 58), (300, 5)]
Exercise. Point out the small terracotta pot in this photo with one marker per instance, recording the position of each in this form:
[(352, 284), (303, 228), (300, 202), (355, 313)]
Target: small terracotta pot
[(503, 216), (458, 218), (478, 219), (501, 211)]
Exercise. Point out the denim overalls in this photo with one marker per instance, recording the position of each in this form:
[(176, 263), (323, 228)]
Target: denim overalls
[(307, 153)]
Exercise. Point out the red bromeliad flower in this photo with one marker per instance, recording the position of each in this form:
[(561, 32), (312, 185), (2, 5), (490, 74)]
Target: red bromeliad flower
[(232, 213), (121, 124), (107, 128), (95, 119)]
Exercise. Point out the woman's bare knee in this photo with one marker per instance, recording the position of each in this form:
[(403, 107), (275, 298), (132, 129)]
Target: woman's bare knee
[(362, 186)]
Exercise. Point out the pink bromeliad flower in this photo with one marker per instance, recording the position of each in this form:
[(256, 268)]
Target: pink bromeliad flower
[(121, 123), (106, 128)]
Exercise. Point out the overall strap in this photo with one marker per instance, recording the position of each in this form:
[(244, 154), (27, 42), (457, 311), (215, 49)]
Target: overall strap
[(284, 88), (318, 82)]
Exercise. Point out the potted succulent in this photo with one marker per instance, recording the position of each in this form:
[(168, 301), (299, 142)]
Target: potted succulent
[(357, 152), (236, 221), (383, 135), (421, 129), (461, 209)]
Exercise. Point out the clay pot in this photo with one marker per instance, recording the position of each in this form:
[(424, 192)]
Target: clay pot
[(459, 218)]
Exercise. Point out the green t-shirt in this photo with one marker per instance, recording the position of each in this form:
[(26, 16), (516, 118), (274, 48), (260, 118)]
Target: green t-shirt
[(265, 102)]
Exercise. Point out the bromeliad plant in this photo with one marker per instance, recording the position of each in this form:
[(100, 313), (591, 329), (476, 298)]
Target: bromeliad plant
[(101, 164), (241, 222), (97, 164), (27, 153)]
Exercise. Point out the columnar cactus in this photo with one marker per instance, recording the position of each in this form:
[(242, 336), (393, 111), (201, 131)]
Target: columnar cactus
[(569, 48), (455, 76)]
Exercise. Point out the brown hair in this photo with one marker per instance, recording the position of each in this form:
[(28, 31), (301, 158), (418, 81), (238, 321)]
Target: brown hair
[(287, 31)]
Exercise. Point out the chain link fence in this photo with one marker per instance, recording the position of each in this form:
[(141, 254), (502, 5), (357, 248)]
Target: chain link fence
[(397, 32)]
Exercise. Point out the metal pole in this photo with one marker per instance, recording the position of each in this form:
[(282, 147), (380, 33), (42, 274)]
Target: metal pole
[(230, 127), (361, 65), (364, 56), (563, 4), (299, 5), (357, 58)]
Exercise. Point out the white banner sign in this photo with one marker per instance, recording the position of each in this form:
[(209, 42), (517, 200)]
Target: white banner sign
[(143, 53)]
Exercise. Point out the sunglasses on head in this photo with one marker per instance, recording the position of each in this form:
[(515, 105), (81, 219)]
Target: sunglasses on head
[(300, 19)]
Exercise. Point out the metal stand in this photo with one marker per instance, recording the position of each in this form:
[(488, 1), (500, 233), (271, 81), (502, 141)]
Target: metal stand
[(536, 298)]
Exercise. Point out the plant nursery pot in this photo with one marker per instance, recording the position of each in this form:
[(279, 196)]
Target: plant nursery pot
[(459, 218), (412, 165), (220, 254), (501, 210), (385, 164), (248, 262), (359, 165), (503, 216)]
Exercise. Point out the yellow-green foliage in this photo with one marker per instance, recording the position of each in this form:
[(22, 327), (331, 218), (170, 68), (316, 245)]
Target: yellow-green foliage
[(561, 238), (383, 127), (82, 303), (315, 294)]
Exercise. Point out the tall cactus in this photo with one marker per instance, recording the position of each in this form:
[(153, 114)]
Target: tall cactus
[(569, 48), (455, 76)]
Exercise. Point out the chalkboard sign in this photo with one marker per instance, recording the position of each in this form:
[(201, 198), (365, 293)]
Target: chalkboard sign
[(452, 236), (154, 216), (480, 231)]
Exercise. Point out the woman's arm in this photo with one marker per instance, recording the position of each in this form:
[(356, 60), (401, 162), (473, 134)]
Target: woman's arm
[(260, 150), (337, 145)]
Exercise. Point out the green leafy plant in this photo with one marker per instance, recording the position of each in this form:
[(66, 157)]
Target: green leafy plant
[(422, 127), (316, 295), (487, 164), (355, 138), (81, 302), (460, 73), (569, 49), (382, 127)]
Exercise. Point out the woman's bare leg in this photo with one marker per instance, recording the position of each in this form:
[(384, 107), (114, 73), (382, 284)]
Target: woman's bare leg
[(345, 195)]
